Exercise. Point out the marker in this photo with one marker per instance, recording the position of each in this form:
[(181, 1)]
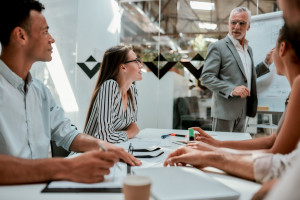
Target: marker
[(191, 134), (178, 135), (172, 134)]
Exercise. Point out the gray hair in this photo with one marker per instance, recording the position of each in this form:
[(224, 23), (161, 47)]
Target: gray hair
[(239, 10)]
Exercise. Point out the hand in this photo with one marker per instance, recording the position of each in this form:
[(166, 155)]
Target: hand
[(90, 167), (183, 156), (204, 137), (269, 57), (264, 190), (122, 154), (201, 146), (241, 91), (132, 130)]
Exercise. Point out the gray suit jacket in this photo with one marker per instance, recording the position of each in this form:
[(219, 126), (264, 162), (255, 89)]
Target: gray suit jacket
[(222, 72)]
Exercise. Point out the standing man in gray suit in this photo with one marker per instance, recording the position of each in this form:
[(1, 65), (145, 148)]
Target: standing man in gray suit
[(230, 74)]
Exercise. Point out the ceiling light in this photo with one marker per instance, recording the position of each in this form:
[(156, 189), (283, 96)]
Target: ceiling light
[(207, 26), (202, 5), (210, 40)]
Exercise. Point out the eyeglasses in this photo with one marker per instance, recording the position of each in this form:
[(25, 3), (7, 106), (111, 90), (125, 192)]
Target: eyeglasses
[(242, 23), (135, 60), (131, 150)]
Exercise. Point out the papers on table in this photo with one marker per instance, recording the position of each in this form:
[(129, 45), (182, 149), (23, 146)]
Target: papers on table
[(112, 183)]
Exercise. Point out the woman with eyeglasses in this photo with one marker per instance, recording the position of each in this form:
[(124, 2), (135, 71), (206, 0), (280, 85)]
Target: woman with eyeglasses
[(112, 113)]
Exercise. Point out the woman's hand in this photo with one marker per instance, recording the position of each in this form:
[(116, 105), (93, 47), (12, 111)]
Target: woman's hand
[(201, 146), (264, 190), (204, 137), (184, 155)]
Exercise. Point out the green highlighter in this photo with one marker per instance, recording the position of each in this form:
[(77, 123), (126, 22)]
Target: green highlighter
[(191, 134)]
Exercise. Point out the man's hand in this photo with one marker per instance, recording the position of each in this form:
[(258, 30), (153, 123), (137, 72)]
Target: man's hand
[(122, 154), (90, 167), (269, 57), (241, 91), (185, 155), (204, 137)]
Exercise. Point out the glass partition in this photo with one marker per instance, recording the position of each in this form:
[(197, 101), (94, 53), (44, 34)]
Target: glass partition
[(171, 37)]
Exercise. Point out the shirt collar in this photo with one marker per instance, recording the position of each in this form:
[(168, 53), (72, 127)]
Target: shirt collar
[(236, 43), (12, 77)]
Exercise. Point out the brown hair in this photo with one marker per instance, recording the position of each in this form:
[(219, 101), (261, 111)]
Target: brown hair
[(109, 69), (284, 36)]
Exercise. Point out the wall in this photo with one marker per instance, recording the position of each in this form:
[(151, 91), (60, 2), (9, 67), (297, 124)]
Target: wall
[(272, 88), (156, 98), (81, 29)]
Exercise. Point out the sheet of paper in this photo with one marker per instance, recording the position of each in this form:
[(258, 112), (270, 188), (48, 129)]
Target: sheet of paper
[(113, 180)]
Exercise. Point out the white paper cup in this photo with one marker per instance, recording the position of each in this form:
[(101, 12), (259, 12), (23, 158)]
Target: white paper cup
[(136, 187)]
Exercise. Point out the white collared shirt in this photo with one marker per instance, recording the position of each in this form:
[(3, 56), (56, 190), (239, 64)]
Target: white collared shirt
[(245, 57), (29, 120)]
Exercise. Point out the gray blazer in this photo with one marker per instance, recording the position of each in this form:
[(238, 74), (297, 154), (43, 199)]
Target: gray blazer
[(222, 72)]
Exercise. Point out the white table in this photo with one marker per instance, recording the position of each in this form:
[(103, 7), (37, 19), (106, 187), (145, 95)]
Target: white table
[(33, 191)]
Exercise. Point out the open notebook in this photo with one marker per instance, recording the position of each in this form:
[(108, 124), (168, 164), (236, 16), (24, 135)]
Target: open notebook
[(182, 183)]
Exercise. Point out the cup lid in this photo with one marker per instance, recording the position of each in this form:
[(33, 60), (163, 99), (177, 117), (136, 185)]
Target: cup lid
[(136, 180)]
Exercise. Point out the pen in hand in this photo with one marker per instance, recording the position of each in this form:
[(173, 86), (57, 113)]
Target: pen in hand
[(105, 150), (102, 147)]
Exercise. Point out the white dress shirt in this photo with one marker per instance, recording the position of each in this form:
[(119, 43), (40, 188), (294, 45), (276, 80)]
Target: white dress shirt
[(30, 118), (245, 57)]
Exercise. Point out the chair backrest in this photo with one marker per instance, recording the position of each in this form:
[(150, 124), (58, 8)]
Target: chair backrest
[(58, 151), (193, 104)]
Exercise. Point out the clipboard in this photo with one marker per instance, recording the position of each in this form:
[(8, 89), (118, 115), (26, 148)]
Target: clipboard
[(75, 190)]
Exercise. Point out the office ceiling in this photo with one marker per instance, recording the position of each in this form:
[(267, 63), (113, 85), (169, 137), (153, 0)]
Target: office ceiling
[(178, 22)]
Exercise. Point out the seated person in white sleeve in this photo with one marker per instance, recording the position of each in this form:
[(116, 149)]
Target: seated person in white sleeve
[(112, 113), (256, 165), (29, 116)]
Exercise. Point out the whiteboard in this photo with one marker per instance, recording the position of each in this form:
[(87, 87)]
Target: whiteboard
[(272, 89)]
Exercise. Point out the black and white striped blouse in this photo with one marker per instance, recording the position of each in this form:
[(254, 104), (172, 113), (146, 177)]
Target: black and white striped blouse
[(108, 121)]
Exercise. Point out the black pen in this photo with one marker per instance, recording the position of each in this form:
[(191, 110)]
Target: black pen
[(130, 150)]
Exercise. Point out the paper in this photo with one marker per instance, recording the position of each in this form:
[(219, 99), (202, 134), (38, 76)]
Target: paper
[(113, 180)]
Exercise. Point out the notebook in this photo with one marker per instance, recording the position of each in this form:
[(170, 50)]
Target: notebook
[(182, 183)]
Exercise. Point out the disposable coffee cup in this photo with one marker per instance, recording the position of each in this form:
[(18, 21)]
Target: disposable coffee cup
[(136, 187)]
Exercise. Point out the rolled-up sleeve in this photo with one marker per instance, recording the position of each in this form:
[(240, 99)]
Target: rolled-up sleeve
[(62, 131), (269, 166)]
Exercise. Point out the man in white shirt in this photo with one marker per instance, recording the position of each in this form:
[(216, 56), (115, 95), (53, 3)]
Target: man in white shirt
[(230, 74), (29, 116)]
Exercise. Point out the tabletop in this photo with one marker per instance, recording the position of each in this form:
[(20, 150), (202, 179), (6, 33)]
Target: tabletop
[(33, 191)]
